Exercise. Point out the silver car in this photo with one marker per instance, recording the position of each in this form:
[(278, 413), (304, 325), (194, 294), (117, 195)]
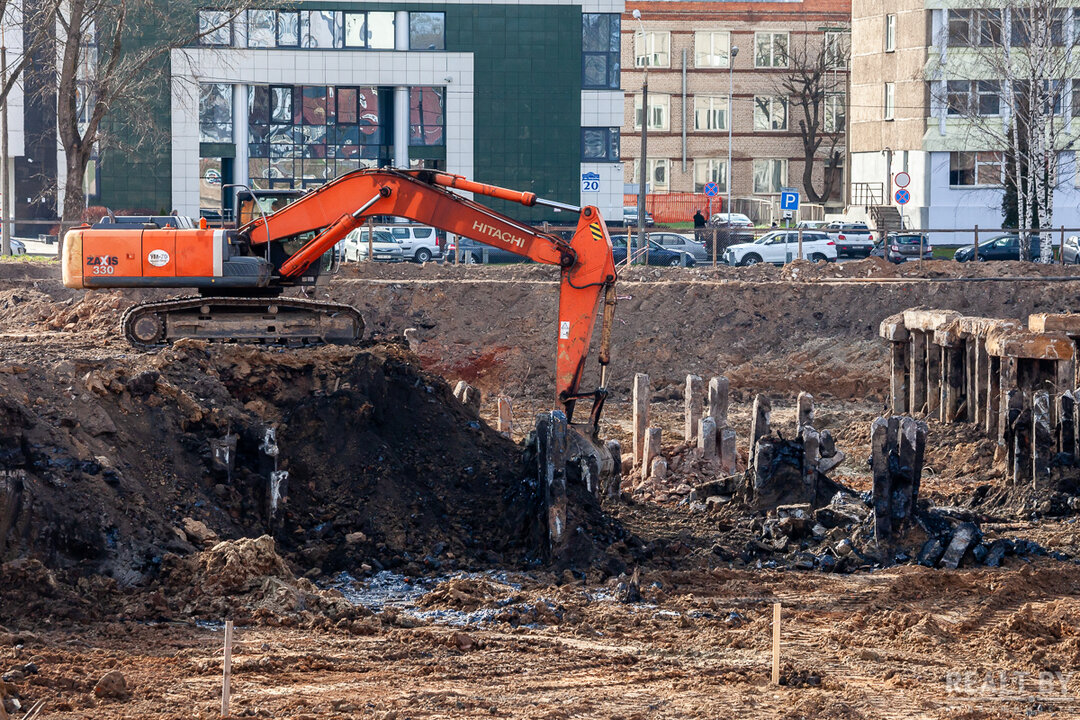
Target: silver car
[(681, 243), (385, 247)]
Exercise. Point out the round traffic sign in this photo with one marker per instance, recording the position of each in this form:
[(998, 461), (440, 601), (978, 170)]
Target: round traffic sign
[(902, 179), (902, 196), (712, 189)]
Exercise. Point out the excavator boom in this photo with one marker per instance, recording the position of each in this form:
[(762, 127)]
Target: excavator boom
[(249, 265)]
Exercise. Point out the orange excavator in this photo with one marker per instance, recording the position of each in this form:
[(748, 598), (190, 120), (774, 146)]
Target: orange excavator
[(240, 275)]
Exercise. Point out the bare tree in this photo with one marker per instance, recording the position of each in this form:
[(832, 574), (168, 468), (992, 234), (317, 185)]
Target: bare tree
[(1001, 84), (113, 55), (814, 87)]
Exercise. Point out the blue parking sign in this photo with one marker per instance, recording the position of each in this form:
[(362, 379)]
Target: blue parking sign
[(789, 199)]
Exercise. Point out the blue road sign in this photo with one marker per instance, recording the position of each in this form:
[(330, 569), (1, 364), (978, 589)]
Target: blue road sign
[(712, 189), (902, 197), (789, 200)]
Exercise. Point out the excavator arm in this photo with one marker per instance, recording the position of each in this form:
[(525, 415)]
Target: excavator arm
[(586, 263)]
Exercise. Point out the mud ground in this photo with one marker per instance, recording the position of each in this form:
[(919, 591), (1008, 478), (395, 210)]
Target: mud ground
[(442, 611)]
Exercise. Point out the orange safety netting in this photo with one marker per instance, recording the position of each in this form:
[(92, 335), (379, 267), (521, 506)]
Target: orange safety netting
[(675, 207)]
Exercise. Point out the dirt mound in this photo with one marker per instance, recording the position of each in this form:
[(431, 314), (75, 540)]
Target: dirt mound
[(248, 581), (345, 456)]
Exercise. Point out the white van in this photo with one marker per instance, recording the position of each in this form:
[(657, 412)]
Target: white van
[(419, 243)]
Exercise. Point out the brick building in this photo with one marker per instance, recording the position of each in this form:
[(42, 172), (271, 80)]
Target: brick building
[(687, 46)]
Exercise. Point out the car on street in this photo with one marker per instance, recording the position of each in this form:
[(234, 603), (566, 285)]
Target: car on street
[(852, 239), (734, 219), (657, 255), (473, 253), (383, 245), (903, 246), (419, 243), (630, 216), (781, 246), (17, 247), (810, 224), (680, 242), (1005, 246), (1071, 250)]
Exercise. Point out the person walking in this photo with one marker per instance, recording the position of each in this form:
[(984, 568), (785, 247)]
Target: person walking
[(699, 220)]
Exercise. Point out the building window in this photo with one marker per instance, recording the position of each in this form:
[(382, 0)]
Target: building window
[(1026, 23), (837, 49), (835, 113), (975, 168), (320, 29), (215, 113), (959, 28), (261, 28), (600, 144), (305, 136), (770, 112), (770, 175), (967, 97), (288, 29), (987, 27), (1076, 102), (215, 28), (770, 49), (710, 112), (659, 111), (890, 33), (709, 170), (890, 100), (712, 49), (600, 51), (427, 116), (427, 31), (374, 30), (658, 174), (655, 51)]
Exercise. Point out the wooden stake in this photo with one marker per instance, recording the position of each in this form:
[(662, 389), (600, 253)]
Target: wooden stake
[(776, 644), (227, 673)]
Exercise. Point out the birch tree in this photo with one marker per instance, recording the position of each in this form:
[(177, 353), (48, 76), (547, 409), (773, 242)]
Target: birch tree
[(1002, 83)]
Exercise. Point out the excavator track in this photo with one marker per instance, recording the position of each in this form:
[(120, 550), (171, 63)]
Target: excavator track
[(277, 320)]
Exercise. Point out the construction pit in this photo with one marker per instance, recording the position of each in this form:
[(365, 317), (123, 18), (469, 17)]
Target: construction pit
[(886, 453)]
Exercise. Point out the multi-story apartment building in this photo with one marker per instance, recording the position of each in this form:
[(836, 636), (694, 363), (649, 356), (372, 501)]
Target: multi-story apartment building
[(695, 52), (295, 94), (931, 95)]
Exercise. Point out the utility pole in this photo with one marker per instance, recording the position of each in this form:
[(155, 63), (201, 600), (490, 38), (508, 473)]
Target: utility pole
[(734, 51), (5, 210), (643, 163)]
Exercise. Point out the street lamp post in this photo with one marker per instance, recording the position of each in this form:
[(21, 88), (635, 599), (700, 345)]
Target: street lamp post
[(643, 162), (730, 123)]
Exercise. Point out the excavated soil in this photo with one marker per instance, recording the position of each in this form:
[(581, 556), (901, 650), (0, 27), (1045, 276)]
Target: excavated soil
[(400, 573)]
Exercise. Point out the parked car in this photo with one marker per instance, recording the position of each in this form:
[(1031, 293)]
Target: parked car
[(1000, 247), (810, 224), (384, 246), (901, 247), (1071, 249), (18, 247), (629, 214), (852, 239), (779, 246), (473, 252), (657, 255), (419, 243), (681, 243), (140, 222), (733, 219)]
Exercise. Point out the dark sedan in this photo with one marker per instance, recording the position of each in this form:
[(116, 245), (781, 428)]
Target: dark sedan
[(658, 254), (901, 247), (999, 247)]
